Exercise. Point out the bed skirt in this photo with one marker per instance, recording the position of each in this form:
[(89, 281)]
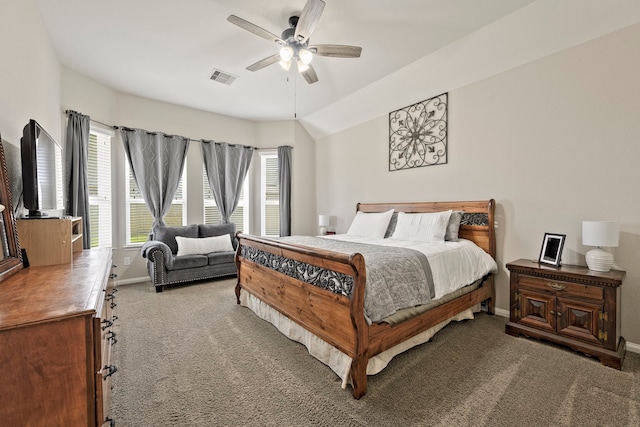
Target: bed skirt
[(339, 362)]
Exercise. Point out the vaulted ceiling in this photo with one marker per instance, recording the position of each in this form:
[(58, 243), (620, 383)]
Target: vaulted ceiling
[(167, 50)]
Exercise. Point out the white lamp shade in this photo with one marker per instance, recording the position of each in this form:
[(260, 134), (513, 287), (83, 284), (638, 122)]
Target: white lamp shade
[(324, 220), (600, 233)]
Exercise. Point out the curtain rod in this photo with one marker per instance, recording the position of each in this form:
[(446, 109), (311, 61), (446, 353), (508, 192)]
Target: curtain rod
[(190, 139)]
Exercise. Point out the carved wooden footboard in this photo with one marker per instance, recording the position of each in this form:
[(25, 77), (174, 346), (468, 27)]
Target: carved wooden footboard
[(323, 291)]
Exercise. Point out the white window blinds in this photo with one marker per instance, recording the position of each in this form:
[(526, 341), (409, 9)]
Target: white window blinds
[(99, 181), (269, 194)]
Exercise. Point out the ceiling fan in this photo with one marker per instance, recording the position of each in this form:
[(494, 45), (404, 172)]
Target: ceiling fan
[(294, 42)]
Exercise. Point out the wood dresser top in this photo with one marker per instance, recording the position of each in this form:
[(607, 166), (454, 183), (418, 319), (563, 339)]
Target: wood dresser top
[(37, 294)]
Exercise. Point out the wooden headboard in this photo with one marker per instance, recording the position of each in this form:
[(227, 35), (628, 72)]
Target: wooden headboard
[(477, 222)]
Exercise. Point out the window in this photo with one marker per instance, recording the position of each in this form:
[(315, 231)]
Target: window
[(269, 194), (240, 217), (99, 181), (140, 220)]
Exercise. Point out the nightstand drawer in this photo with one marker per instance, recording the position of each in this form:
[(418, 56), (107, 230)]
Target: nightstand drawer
[(561, 288)]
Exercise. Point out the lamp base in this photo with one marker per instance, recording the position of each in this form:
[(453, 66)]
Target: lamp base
[(599, 260)]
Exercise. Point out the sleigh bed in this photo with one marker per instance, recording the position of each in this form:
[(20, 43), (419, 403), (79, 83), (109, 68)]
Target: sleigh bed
[(316, 296)]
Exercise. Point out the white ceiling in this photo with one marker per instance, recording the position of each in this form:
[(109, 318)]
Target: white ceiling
[(166, 49)]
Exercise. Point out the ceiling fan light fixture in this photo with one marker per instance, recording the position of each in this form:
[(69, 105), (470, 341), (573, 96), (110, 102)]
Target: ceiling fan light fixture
[(302, 67), (305, 56), (285, 65), (286, 53)]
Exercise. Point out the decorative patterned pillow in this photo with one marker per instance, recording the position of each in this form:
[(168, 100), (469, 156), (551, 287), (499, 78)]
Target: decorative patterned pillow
[(422, 227), (372, 225), (203, 245), (454, 226)]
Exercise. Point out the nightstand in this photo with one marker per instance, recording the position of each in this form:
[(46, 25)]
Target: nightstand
[(569, 305)]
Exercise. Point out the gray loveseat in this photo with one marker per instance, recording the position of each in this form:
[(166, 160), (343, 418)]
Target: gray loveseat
[(166, 268)]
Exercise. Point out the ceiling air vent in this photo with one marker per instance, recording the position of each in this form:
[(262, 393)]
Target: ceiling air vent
[(222, 77)]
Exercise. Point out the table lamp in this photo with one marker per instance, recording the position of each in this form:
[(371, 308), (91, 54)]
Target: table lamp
[(600, 234), (324, 221)]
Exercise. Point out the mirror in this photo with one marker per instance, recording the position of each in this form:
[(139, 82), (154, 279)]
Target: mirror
[(11, 256)]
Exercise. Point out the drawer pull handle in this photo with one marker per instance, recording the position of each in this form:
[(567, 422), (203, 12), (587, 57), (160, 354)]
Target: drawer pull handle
[(111, 369), (111, 336), (556, 286), (111, 421), (109, 297), (107, 324)]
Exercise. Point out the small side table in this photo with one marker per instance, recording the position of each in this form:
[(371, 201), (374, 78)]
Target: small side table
[(569, 305)]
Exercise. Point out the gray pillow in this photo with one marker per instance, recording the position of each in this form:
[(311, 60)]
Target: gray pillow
[(453, 226), (168, 234), (392, 225)]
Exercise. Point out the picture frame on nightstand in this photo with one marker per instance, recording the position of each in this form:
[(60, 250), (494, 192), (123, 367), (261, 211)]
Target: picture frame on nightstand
[(551, 251)]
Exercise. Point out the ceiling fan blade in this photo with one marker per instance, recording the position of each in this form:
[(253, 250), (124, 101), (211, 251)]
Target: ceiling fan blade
[(310, 75), (337, 50), (253, 28), (308, 20), (264, 62)]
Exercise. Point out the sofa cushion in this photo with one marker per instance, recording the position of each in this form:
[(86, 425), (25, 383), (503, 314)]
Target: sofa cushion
[(189, 261), (203, 245), (217, 258), (168, 234), (210, 230)]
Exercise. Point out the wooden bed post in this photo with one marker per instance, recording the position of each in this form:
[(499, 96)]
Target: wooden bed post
[(238, 264), (361, 353)]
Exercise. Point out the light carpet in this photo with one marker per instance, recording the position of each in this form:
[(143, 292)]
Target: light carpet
[(190, 356)]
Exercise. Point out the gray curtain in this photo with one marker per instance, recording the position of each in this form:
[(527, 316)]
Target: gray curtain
[(226, 166), (284, 181), (157, 161), (76, 184)]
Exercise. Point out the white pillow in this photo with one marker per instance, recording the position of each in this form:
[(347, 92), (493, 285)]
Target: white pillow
[(203, 245), (422, 227), (372, 225)]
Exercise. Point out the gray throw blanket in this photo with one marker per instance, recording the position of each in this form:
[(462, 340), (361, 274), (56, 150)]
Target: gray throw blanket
[(397, 278)]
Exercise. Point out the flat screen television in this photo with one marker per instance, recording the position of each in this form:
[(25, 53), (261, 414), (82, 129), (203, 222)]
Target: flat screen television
[(41, 171)]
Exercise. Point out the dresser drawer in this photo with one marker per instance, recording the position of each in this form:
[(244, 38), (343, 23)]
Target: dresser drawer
[(561, 288)]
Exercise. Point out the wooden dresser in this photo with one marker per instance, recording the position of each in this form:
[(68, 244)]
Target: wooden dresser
[(569, 305), (56, 333)]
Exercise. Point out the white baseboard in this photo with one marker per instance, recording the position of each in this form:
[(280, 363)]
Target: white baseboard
[(633, 348), (502, 313), (132, 281)]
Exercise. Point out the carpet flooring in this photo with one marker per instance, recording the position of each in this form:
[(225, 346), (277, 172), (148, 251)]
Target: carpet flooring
[(190, 356)]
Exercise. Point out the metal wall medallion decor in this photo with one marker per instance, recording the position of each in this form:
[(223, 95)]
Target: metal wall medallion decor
[(418, 134)]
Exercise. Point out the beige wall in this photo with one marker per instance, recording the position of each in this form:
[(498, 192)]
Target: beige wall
[(29, 74), (555, 142)]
